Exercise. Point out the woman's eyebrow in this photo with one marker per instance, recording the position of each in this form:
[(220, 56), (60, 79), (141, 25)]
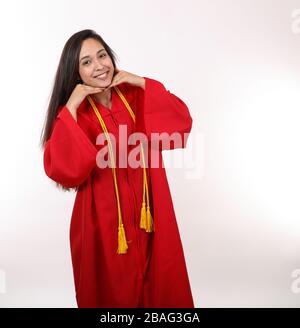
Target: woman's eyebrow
[(89, 56)]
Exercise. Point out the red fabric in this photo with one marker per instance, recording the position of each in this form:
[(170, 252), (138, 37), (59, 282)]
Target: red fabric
[(153, 271)]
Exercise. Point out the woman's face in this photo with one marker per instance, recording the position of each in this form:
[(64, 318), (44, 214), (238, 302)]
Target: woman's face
[(94, 61)]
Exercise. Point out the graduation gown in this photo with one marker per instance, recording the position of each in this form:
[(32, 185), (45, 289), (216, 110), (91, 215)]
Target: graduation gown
[(153, 272)]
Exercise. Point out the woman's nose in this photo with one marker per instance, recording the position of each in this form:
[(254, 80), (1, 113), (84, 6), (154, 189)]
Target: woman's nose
[(98, 65)]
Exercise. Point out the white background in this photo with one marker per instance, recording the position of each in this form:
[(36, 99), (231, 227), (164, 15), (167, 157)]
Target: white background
[(236, 65)]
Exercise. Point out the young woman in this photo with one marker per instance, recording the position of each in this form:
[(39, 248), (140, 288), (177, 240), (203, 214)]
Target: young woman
[(125, 244)]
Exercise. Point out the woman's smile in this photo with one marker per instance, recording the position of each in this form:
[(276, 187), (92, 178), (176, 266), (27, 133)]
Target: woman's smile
[(102, 76)]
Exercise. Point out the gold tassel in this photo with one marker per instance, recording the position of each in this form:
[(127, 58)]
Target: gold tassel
[(149, 221), (146, 221), (143, 216), (122, 244), (146, 218)]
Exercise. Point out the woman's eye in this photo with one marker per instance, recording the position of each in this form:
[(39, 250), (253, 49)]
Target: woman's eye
[(86, 62)]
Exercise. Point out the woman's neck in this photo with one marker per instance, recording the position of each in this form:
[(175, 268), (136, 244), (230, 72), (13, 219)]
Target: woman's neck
[(104, 98)]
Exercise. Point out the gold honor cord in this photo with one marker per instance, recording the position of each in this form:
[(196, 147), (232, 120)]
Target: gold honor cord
[(146, 220)]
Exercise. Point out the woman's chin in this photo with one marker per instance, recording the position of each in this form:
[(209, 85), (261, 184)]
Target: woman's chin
[(103, 84)]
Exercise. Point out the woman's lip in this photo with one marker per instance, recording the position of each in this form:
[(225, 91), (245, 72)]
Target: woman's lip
[(98, 76)]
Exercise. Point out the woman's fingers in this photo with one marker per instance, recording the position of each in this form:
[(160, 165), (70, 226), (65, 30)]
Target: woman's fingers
[(117, 80), (90, 90), (96, 90)]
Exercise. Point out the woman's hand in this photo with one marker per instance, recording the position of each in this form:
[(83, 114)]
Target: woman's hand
[(123, 76), (78, 95)]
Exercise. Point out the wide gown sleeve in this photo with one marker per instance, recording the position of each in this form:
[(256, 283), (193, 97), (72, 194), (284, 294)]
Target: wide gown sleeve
[(161, 112), (69, 155)]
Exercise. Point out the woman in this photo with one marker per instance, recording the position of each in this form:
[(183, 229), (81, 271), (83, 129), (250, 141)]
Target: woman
[(125, 244)]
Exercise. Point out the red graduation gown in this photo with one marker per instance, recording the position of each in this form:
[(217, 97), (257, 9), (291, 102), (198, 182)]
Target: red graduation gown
[(153, 271)]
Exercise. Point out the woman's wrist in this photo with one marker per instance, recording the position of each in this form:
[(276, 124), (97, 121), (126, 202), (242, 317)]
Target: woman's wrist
[(72, 110), (142, 83)]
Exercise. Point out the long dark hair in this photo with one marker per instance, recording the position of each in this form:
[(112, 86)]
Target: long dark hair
[(67, 77)]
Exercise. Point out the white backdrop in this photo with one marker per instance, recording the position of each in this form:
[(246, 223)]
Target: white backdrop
[(236, 65)]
